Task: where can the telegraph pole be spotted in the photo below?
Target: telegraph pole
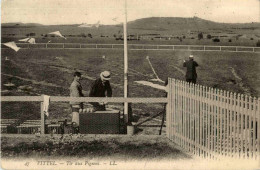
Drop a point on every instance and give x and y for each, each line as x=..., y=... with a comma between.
x=125, y=65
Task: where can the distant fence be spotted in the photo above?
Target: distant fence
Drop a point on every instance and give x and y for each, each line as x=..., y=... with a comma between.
x=138, y=47
x=213, y=123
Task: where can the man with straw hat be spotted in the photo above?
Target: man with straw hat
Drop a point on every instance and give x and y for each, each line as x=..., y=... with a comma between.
x=191, y=74
x=101, y=88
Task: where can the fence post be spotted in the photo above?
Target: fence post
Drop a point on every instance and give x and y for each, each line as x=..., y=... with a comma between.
x=79, y=45
x=46, y=45
x=258, y=130
x=42, y=120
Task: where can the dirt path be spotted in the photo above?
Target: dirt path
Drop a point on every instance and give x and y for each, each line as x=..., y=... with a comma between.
x=239, y=81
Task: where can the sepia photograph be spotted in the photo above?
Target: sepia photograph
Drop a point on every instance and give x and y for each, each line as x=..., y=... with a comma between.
x=130, y=84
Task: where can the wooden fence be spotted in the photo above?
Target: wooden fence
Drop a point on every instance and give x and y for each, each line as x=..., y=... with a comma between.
x=138, y=47
x=213, y=123
x=76, y=99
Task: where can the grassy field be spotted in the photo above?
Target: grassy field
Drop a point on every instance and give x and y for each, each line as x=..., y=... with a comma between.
x=90, y=146
x=50, y=72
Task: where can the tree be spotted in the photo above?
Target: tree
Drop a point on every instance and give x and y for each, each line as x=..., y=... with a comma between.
x=200, y=36
x=258, y=43
x=216, y=40
x=209, y=36
x=89, y=35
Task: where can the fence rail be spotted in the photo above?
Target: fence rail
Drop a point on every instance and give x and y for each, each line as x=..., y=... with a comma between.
x=137, y=47
x=76, y=99
x=213, y=123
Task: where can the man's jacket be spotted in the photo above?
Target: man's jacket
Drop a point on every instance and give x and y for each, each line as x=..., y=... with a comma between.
x=76, y=91
x=191, y=69
x=98, y=89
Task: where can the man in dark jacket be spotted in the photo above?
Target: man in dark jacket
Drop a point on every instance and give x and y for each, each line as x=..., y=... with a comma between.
x=101, y=88
x=191, y=75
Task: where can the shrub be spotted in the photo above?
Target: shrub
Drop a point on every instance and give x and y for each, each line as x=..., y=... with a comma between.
x=216, y=40
x=83, y=35
x=209, y=36
x=258, y=43
x=251, y=38
x=229, y=40
x=200, y=36
x=89, y=35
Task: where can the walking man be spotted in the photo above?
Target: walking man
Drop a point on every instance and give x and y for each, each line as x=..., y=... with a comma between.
x=191, y=74
x=76, y=107
x=101, y=88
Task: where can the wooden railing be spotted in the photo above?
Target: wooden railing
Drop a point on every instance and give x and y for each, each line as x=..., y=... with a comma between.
x=139, y=47
x=213, y=123
x=77, y=99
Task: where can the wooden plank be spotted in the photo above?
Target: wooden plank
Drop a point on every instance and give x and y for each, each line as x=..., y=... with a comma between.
x=236, y=125
x=173, y=106
x=211, y=121
x=217, y=124
x=42, y=120
x=254, y=127
x=82, y=99
x=184, y=115
x=258, y=129
x=246, y=126
x=250, y=127
x=221, y=111
x=208, y=122
x=201, y=121
x=197, y=121
x=242, y=126
x=225, y=125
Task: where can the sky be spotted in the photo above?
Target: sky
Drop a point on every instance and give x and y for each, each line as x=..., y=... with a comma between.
x=52, y=12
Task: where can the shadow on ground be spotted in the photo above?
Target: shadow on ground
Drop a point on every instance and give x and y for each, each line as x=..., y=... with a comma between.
x=120, y=147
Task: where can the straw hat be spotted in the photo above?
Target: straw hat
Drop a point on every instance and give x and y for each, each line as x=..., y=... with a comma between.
x=105, y=75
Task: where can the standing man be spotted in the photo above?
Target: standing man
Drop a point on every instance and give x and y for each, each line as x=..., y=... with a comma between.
x=76, y=91
x=101, y=88
x=191, y=74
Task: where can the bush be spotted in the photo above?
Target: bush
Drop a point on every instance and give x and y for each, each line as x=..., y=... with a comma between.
x=229, y=40
x=83, y=35
x=89, y=35
x=209, y=36
x=258, y=43
x=251, y=38
x=216, y=40
x=200, y=36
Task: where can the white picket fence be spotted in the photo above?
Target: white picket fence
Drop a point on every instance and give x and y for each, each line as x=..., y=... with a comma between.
x=213, y=123
x=138, y=47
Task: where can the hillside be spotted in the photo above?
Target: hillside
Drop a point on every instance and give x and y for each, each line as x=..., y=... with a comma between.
x=163, y=25
x=164, y=30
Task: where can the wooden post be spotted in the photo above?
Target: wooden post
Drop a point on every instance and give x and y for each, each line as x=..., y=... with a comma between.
x=258, y=129
x=42, y=120
x=125, y=66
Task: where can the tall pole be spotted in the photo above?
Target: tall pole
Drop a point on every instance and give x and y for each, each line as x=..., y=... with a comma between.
x=125, y=65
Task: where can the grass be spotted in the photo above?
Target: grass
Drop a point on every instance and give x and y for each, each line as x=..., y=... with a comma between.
x=50, y=72
x=90, y=146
